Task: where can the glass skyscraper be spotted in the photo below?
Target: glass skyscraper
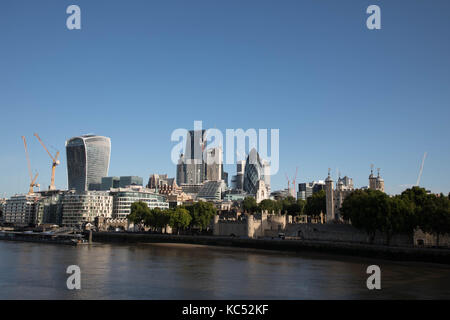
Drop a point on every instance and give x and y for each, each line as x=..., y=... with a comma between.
x=87, y=162
x=191, y=168
x=254, y=171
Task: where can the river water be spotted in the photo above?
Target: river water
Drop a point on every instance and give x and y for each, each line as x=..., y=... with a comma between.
x=177, y=271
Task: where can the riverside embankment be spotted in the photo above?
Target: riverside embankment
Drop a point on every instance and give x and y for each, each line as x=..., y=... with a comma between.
x=341, y=248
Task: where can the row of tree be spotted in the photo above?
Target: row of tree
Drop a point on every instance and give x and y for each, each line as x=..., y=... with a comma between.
x=197, y=215
x=372, y=211
x=313, y=206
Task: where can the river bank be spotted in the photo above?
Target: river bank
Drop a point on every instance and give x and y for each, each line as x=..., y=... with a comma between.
x=341, y=248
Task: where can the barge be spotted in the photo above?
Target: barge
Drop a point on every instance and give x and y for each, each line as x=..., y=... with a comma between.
x=43, y=237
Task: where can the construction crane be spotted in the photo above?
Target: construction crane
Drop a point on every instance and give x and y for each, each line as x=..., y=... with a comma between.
x=421, y=169
x=32, y=180
x=55, y=162
x=294, y=180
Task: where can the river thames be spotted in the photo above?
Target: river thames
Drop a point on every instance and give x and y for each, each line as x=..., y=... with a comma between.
x=177, y=271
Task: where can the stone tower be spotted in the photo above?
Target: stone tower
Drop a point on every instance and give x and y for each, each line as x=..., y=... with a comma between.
x=372, y=179
x=329, y=198
x=380, y=182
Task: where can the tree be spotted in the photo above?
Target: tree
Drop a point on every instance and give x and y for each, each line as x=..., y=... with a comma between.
x=316, y=204
x=367, y=210
x=300, y=206
x=180, y=219
x=417, y=196
x=400, y=218
x=249, y=205
x=269, y=205
x=202, y=213
x=140, y=212
x=435, y=216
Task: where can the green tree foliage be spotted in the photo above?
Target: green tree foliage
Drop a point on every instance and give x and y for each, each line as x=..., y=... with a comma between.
x=202, y=213
x=249, y=205
x=399, y=218
x=180, y=219
x=367, y=210
x=292, y=206
x=431, y=212
x=435, y=216
x=269, y=205
x=316, y=204
x=374, y=211
x=158, y=219
x=139, y=213
x=417, y=196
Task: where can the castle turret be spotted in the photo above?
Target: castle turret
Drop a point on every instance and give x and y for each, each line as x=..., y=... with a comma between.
x=380, y=182
x=372, y=179
x=329, y=198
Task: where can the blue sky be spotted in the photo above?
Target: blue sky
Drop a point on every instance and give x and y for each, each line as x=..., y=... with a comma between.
x=342, y=96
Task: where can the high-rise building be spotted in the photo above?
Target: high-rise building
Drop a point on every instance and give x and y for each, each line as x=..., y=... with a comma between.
x=127, y=181
x=237, y=181
x=191, y=168
x=110, y=182
x=306, y=190
x=256, y=169
x=225, y=176
x=181, y=171
x=214, y=164
x=87, y=162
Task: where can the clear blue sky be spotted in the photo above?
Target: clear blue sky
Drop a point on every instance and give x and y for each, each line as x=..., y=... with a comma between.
x=342, y=96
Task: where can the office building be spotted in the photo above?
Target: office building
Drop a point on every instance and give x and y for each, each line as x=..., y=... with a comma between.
x=110, y=182
x=87, y=162
x=214, y=164
x=237, y=181
x=306, y=190
x=2, y=209
x=256, y=169
x=20, y=210
x=49, y=209
x=212, y=190
x=127, y=181
x=120, y=182
x=181, y=171
x=80, y=208
x=123, y=198
x=191, y=167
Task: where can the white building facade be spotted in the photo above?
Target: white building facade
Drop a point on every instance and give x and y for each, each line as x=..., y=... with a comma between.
x=81, y=208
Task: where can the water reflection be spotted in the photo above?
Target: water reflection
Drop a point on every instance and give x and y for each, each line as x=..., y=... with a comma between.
x=175, y=271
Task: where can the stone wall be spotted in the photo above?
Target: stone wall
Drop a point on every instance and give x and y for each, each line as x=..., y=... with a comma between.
x=252, y=226
x=341, y=233
x=231, y=228
x=430, y=240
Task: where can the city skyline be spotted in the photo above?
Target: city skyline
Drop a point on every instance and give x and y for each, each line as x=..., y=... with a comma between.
x=371, y=97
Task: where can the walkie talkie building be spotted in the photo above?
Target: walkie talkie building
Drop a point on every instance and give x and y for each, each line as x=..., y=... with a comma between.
x=87, y=162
